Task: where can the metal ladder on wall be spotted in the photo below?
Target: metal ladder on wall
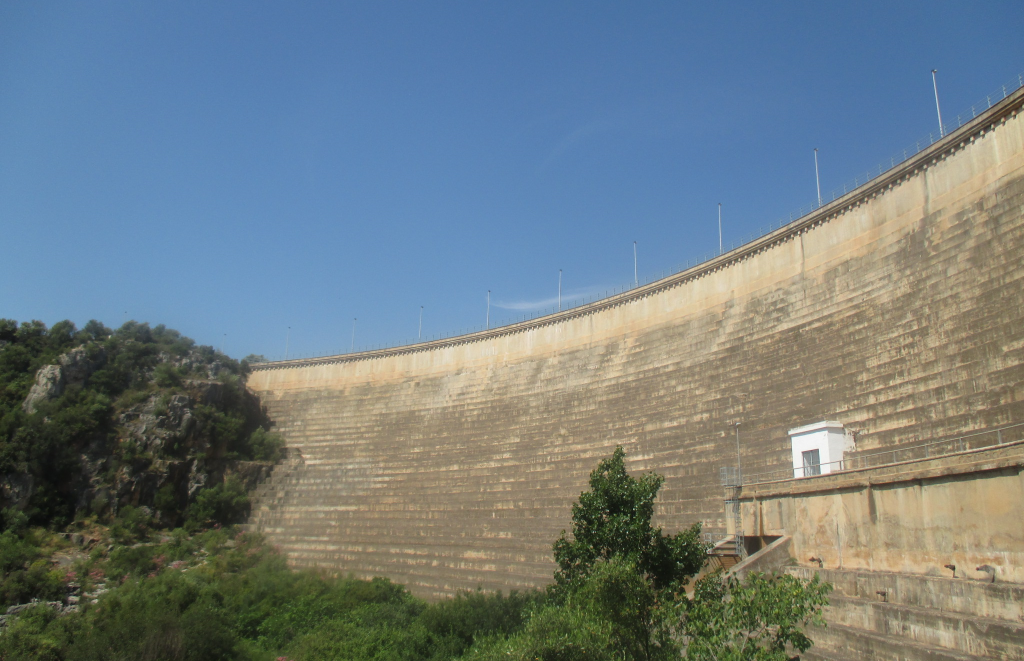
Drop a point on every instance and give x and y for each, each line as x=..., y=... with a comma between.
x=730, y=550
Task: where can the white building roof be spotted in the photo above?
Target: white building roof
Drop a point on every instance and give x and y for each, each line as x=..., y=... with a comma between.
x=817, y=426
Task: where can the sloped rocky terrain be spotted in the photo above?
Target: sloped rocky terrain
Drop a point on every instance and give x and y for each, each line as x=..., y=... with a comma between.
x=110, y=440
x=96, y=420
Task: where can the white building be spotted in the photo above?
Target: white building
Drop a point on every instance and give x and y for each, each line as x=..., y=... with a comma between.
x=819, y=448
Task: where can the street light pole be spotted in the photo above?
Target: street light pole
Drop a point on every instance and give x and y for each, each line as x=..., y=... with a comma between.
x=719, y=228
x=352, y=347
x=636, y=281
x=419, y=333
x=287, y=336
x=938, y=110
x=559, y=290
x=817, y=179
x=488, y=309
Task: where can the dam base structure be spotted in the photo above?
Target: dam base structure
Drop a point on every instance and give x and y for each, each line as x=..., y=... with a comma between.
x=896, y=311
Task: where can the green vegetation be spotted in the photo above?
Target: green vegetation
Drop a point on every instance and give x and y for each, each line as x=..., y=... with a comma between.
x=132, y=401
x=613, y=520
x=619, y=591
x=132, y=571
x=225, y=595
x=221, y=594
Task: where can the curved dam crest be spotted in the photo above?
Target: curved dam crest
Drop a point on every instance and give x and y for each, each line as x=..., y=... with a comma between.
x=897, y=310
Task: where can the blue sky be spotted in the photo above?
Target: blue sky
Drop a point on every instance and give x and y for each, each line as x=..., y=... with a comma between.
x=235, y=169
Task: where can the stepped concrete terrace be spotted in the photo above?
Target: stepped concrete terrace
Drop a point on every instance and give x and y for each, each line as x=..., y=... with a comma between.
x=901, y=617
x=926, y=555
x=897, y=310
x=917, y=517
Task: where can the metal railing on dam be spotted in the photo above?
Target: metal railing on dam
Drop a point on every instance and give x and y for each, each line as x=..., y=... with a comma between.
x=930, y=449
x=614, y=295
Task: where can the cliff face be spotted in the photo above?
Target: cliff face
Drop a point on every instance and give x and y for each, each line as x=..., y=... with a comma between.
x=72, y=368
x=896, y=310
x=98, y=420
x=174, y=455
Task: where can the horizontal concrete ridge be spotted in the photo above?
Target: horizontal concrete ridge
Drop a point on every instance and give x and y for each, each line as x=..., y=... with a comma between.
x=960, y=596
x=962, y=510
x=838, y=642
x=955, y=141
x=896, y=310
x=969, y=462
x=884, y=615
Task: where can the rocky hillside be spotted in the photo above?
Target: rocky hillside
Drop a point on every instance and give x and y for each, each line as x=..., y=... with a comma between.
x=94, y=421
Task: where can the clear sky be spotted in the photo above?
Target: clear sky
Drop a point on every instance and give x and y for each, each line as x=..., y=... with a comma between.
x=233, y=169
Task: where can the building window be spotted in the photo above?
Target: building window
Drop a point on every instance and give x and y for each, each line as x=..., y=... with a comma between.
x=812, y=463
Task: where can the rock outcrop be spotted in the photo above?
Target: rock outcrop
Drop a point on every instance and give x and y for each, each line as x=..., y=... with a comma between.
x=173, y=449
x=72, y=368
x=79, y=363
x=162, y=451
x=49, y=385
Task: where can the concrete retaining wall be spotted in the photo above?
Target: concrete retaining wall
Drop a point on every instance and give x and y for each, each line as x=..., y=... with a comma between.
x=896, y=310
x=963, y=510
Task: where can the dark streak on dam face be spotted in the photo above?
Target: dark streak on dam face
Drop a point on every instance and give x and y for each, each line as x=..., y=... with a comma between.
x=897, y=310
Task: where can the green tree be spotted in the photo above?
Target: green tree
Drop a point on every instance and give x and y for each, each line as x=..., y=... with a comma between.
x=759, y=619
x=620, y=581
x=132, y=525
x=8, y=330
x=265, y=445
x=613, y=519
x=223, y=504
x=455, y=625
x=640, y=618
x=554, y=633
x=94, y=330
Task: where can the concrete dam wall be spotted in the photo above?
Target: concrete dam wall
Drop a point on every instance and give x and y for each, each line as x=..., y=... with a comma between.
x=897, y=310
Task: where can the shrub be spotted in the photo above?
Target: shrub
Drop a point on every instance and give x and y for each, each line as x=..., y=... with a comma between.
x=377, y=632
x=166, y=375
x=14, y=520
x=554, y=633
x=265, y=445
x=38, y=634
x=166, y=500
x=759, y=618
x=471, y=617
x=223, y=504
x=132, y=525
x=15, y=552
x=37, y=581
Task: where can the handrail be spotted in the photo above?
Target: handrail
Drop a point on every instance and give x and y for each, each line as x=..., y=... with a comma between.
x=698, y=266
x=715, y=539
x=953, y=444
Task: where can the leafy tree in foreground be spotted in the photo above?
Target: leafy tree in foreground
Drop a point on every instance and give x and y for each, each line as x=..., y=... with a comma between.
x=613, y=519
x=759, y=619
x=620, y=581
